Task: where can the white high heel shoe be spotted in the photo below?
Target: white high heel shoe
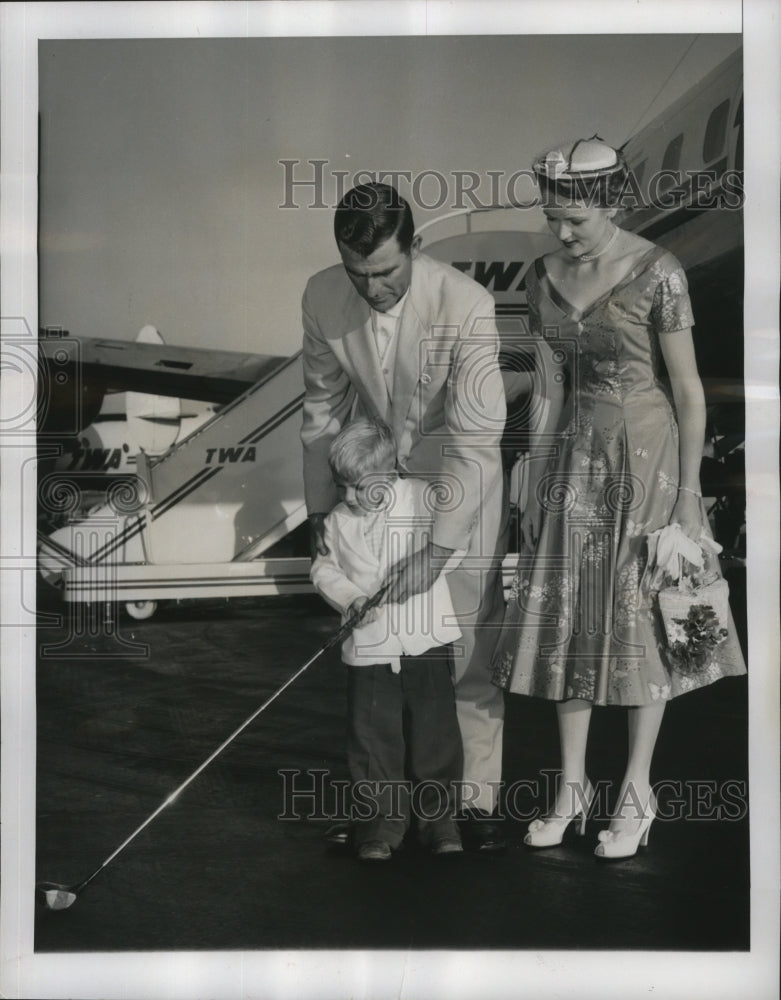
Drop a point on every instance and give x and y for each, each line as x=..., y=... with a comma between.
x=550, y=832
x=624, y=845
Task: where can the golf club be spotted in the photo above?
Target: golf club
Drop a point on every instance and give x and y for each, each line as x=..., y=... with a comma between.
x=61, y=897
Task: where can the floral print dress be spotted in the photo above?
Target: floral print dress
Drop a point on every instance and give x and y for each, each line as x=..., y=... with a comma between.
x=579, y=622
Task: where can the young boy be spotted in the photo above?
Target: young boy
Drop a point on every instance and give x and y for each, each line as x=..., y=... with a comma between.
x=401, y=706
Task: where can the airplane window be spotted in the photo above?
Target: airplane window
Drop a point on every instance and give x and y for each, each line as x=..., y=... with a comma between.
x=715, y=133
x=672, y=155
x=184, y=365
x=671, y=161
x=639, y=171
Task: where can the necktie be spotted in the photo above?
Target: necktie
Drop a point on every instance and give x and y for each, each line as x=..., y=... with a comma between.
x=384, y=337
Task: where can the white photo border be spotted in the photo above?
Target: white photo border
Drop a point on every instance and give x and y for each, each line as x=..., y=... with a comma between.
x=398, y=974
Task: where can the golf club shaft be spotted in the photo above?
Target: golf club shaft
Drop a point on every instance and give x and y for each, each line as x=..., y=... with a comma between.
x=347, y=627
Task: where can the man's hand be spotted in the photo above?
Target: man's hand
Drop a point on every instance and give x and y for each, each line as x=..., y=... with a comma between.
x=317, y=546
x=358, y=605
x=416, y=574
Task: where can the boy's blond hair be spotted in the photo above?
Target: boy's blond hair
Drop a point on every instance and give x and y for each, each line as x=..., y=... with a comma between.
x=363, y=446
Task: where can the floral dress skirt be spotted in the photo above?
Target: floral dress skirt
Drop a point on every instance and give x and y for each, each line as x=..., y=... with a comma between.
x=581, y=621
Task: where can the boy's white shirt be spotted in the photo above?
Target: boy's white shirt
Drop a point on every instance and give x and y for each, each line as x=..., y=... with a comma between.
x=350, y=570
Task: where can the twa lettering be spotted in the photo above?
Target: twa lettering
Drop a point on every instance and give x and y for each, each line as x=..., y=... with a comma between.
x=95, y=459
x=494, y=274
x=241, y=453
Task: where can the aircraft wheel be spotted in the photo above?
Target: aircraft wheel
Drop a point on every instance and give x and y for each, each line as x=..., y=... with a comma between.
x=141, y=610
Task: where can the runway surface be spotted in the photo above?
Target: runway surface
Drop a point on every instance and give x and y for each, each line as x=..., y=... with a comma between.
x=126, y=711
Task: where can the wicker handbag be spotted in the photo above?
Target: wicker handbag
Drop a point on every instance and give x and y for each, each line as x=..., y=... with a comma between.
x=695, y=622
x=694, y=611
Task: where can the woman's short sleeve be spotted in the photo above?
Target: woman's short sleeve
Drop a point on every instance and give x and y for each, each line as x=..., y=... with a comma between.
x=671, y=309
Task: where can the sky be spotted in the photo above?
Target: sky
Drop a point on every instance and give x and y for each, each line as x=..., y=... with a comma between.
x=161, y=159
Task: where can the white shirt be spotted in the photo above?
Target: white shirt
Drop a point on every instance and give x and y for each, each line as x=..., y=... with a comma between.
x=351, y=570
x=385, y=326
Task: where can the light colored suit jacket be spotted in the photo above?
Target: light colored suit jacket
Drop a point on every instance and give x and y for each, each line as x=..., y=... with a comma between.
x=447, y=407
x=351, y=570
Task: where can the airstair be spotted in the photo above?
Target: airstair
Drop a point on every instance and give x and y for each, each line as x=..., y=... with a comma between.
x=200, y=517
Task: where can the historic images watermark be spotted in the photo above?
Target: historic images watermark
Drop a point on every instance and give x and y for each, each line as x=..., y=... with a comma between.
x=314, y=794
x=45, y=404
x=315, y=184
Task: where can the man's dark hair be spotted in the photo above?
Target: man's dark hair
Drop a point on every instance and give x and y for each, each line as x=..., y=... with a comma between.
x=370, y=214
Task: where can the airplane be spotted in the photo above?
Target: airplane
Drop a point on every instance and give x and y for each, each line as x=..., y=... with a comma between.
x=699, y=137
x=687, y=165
x=210, y=489
x=219, y=511
x=101, y=456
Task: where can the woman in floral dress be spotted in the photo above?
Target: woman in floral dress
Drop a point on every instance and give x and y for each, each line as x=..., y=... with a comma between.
x=623, y=460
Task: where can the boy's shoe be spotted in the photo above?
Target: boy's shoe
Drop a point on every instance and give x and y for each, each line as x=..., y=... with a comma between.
x=446, y=845
x=374, y=850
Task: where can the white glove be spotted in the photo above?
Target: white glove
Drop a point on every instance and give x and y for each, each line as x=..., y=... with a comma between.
x=669, y=546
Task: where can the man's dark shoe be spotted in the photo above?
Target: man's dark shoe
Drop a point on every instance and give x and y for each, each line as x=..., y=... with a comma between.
x=374, y=850
x=446, y=846
x=340, y=835
x=482, y=832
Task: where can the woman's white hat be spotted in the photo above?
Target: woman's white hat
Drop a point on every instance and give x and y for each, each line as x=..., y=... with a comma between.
x=579, y=159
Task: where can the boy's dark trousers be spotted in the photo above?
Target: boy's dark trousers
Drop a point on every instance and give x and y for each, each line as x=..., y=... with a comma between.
x=403, y=734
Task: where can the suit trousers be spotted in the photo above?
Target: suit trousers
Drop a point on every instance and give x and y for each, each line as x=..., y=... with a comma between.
x=403, y=748
x=478, y=600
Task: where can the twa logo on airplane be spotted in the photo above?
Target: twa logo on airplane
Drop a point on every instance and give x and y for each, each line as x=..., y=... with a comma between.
x=240, y=453
x=97, y=459
x=496, y=259
x=495, y=276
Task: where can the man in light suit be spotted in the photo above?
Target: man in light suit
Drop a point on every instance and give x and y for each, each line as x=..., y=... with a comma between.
x=394, y=334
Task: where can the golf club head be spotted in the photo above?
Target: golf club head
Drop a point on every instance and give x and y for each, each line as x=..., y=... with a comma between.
x=55, y=897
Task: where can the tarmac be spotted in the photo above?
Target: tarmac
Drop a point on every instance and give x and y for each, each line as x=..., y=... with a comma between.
x=126, y=710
